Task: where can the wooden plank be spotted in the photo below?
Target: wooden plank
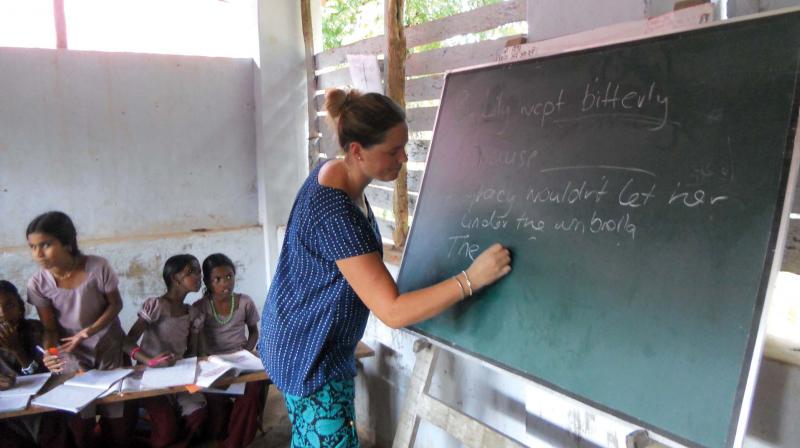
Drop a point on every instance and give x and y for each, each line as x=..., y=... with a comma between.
x=384, y=198
x=420, y=406
x=417, y=89
x=440, y=60
x=420, y=381
x=477, y=20
x=417, y=150
x=414, y=181
x=421, y=118
x=465, y=429
x=480, y=19
x=395, y=80
x=336, y=78
x=387, y=228
x=308, y=41
x=329, y=146
x=336, y=56
x=424, y=89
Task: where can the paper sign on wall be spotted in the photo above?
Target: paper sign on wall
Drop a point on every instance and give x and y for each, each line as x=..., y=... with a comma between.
x=365, y=72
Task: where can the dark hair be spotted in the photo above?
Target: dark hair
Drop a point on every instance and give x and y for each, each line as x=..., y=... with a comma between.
x=23, y=330
x=58, y=225
x=8, y=288
x=214, y=261
x=361, y=118
x=176, y=264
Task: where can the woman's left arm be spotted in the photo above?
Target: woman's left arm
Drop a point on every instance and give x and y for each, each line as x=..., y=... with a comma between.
x=252, y=338
x=109, y=314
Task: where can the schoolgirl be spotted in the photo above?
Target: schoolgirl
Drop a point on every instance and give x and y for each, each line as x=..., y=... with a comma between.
x=19, y=357
x=228, y=316
x=78, y=302
x=170, y=330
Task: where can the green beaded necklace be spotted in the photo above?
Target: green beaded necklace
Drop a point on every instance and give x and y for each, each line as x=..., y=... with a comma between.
x=216, y=315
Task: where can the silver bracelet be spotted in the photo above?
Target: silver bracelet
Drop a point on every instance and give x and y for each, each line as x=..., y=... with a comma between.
x=469, y=283
x=463, y=293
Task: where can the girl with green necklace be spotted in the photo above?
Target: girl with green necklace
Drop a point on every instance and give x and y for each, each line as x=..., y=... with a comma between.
x=231, y=324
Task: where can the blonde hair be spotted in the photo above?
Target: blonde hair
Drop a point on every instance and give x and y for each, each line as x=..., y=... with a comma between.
x=361, y=118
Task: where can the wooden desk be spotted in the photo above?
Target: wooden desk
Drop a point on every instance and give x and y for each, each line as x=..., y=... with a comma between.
x=362, y=351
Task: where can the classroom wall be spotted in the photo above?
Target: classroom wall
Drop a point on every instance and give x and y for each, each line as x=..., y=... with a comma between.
x=136, y=144
x=526, y=412
x=281, y=118
x=151, y=155
x=138, y=262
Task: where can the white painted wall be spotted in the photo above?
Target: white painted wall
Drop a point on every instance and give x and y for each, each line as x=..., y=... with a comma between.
x=282, y=118
x=126, y=144
x=139, y=150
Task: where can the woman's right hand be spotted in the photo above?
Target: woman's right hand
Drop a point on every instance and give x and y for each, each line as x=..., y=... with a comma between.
x=491, y=265
x=54, y=363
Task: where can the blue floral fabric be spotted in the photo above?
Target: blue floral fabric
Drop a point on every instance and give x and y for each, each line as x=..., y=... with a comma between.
x=326, y=418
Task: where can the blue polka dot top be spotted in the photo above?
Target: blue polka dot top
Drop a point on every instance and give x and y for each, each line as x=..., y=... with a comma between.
x=312, y=318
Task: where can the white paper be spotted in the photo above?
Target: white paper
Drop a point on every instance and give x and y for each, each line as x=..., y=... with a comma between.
x=113, y=390
x=132, y=383
x=365, y=72
x=182, y=373
x=233, y=389
x=243, y=360
x=99, y=379
x=12, y=403
x=68, y=398
x=26, y=385
x=216, y=366
x=209, y=371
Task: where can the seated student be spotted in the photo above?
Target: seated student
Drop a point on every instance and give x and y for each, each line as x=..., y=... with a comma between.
x=78, y=302
x=227, y=316
x=169, y=330
x=18, y=357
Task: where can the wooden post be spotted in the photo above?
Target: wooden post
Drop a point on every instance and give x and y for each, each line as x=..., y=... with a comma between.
x=421, y=406
x=395, y=89
x=311, y=84
x=61, y=23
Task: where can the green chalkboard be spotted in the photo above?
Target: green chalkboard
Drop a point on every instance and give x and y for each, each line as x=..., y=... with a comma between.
x=640, y=188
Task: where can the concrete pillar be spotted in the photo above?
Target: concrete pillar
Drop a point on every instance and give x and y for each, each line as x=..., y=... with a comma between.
x=281, y=118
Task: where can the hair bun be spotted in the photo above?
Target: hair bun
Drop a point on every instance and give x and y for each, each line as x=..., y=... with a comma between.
x=337, y=100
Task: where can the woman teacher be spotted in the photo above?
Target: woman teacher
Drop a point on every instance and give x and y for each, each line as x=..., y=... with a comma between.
x=330, y=274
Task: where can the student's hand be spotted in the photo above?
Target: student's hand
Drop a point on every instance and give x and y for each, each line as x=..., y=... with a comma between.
x=54, y=363
x=72, y=342
x=7, y=381
x=491, y=265
x=8, y=337
x=164, y=359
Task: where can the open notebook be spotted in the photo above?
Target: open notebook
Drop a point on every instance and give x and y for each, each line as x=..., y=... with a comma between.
x=16, y=398
x=233, y=364
x=80, y=390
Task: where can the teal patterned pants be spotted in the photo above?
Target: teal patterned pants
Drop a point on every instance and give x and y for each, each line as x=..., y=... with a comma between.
x=326, y=418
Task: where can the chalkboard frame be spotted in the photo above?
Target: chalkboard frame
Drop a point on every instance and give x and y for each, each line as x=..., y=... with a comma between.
x=778, y=235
